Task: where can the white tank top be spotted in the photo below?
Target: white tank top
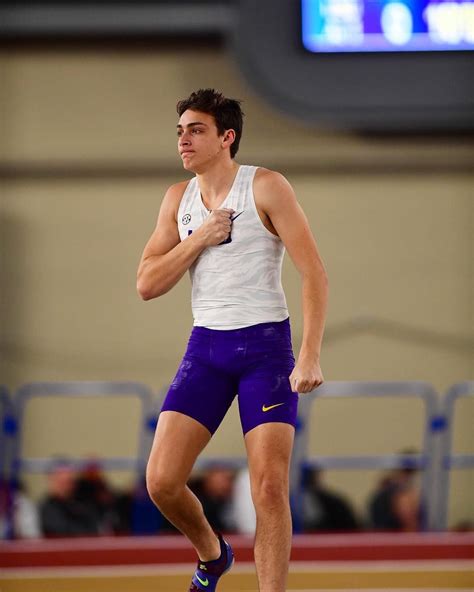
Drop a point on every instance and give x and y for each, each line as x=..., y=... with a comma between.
x=236, y=284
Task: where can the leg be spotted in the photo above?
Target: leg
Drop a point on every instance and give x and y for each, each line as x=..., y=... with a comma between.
x=269, y=447
x=179, y=439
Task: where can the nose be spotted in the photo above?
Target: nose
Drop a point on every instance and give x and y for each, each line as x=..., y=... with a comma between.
x=184, y=140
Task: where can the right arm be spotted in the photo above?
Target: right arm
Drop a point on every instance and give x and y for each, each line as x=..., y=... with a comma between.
x=166, y=258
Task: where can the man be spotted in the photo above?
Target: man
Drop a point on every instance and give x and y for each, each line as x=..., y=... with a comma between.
x=230, y=226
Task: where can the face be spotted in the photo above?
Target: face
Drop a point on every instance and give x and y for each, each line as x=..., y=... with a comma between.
x=219, y=483
x=62, y=481
x=199, y=143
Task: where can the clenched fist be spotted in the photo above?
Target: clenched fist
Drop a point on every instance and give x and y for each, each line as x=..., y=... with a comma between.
x=217, y=226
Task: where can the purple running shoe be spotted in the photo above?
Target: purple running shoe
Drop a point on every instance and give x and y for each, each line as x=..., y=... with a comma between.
x=207, y=573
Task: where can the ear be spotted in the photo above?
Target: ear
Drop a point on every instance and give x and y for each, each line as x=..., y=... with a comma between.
x=228, y=138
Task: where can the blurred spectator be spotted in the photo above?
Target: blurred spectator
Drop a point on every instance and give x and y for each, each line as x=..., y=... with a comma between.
x=244, y=516
x=214, y=490
x=395, y=504
x=24, y=516
x=323, y=509
x=93, y=491
x=145, y=518
x=61, y=514
x=5, y=508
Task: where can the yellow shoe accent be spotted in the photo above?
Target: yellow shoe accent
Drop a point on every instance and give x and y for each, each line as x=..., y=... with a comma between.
x=203, y=582
x=271, y=407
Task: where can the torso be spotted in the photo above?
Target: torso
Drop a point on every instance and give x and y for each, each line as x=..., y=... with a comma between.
x=236, y=283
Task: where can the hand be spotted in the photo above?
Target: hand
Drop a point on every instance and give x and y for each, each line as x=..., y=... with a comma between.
x=306, y=376
x=217, y=226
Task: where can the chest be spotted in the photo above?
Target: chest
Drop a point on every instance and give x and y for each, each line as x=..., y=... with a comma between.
x=195, y=211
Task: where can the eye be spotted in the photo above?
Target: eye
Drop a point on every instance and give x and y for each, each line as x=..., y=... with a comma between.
x=196, y=131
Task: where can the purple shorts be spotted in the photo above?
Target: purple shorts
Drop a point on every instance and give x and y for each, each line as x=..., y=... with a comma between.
x=254, y=363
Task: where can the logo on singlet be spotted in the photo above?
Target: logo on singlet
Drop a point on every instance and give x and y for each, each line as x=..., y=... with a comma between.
x=186, y=219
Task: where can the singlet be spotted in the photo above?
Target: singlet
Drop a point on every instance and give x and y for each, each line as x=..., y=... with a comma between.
x=238, y=283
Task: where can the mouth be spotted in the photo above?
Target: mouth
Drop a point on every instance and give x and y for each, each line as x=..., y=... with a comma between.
x=186, y=153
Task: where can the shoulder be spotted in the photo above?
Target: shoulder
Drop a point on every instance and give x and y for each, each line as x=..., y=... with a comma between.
x=176, y=191
x=271, y=188
x=267, y=178
x=173, y=196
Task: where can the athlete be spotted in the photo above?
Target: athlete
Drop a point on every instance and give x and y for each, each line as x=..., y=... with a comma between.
x=229, y=226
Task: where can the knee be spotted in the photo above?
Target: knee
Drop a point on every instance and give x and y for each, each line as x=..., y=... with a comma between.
x=161, y=487
x=270, y=493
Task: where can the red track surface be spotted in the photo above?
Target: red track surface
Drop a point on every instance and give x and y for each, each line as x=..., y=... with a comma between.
x=176, y=549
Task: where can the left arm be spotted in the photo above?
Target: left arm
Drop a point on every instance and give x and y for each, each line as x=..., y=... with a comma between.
x=277, y=199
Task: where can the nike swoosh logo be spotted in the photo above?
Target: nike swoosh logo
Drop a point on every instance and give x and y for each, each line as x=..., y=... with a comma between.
x=264, y=408
x=232, y=219
x=203, y=582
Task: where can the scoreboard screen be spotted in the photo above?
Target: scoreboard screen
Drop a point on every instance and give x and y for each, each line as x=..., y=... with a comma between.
x=341, y=26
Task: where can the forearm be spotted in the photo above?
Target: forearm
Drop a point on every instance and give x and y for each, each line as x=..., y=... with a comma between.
x=157, y=274
x=314, y=301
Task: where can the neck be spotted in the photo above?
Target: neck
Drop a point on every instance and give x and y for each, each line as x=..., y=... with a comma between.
x=216, y=181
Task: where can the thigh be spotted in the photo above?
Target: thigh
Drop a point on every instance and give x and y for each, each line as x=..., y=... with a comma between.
x=265, y=394
x=201, y=392
x=269, y=447
x=178, y=441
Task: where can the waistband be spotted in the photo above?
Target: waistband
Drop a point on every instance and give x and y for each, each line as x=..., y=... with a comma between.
x=274, y=329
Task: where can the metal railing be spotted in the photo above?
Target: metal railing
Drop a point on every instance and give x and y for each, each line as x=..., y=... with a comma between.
x=33, y=390
x=449, y=460
x=435, y=459
x=426, y=460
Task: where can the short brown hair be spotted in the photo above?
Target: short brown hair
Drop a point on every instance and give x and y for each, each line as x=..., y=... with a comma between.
x=226, y=112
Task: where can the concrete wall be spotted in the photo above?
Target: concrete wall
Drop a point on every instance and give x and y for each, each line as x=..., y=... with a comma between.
x=88, y=148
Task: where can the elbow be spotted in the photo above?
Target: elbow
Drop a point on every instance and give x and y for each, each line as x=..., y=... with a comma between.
x=145, y=289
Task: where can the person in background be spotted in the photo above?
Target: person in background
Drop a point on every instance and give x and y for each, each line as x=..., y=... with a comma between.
x=15, y=503
x=245, y=517
x=144, y=516
x=214, y=489
x=323, y=509
x=395, y=504
x=92, y=490
x=62, y=515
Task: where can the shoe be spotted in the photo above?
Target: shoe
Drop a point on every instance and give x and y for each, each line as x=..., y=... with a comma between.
x=207, y=573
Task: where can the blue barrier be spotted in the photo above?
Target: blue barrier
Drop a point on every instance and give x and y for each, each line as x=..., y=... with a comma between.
x=7, y=431
x=8, y=434
x=449, y=460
